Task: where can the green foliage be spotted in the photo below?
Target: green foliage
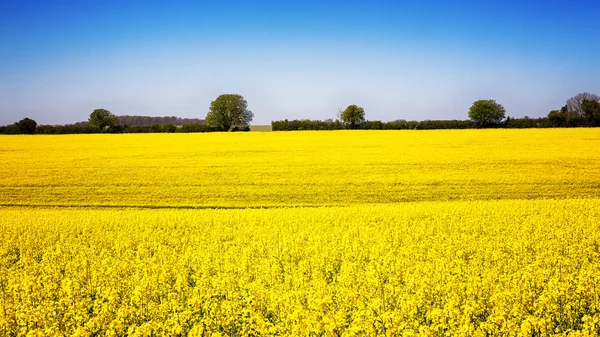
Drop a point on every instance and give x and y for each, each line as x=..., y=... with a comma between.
x=103, y=120
x=229, y=110
x=169, y=128
x=166, y=128
x=486, y=112
x=353, y=116
x=438, y=125
x=557, y=118
x=27, y=126
x=306, y=124
x=11, y=129
x=240, y=128
x=64, y=129
x=526, y=123
x=197, y=127
x=591, y=111
x=156, y=128
x=371, y=125
x=150, y=120
x=580, y=110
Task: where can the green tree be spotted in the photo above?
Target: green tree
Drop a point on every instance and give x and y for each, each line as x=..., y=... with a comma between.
x=169, y=128
x=27, y=126
x=156, y=128
x=103, y=120
x=486, y=112
x=227, y=111
x=591, y=110
x=557, y=118
x=353, y=116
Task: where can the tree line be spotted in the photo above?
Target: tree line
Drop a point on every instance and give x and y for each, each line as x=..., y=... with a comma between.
x=228, y=112
x=152, y=120
x=582, y=110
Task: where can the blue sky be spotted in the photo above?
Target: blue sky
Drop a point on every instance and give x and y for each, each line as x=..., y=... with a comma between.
x=411, y=60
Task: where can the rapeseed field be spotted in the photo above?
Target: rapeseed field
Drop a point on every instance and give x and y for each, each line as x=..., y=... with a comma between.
x=347, y=233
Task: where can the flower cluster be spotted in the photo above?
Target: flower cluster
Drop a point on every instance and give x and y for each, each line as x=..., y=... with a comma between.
x=265, y=169
x=473, y=268
x=362, y=233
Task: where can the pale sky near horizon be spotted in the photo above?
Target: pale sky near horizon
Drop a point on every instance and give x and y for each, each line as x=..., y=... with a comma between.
x=411, y=60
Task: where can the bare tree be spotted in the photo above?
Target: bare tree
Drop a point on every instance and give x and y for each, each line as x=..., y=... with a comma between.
x=574, y=103
x=338, y=115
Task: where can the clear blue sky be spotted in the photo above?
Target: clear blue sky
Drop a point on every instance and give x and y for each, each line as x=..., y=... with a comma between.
x=414, y=60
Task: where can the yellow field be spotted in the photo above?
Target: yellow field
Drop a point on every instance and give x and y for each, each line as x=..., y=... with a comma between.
x=298, y=168
x=358, y=233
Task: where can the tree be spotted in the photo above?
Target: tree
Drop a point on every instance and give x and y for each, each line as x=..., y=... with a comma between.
x=169, y=128
x=103, y=120
x=574, y=103
x=27, y=126
x=486, y=112
x=591, y=110
x=557, y=118
x=163, y=128
x=229, y=110
x=353, y=115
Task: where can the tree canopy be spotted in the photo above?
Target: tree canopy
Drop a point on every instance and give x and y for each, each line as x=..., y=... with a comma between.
x=591, y=110
x=229, y=110
x=574, y=104
x=103, y=120
x=353, y=115
x=27, y=126
x=486, y=112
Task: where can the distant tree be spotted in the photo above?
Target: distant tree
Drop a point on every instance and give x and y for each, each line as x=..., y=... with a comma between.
x=571, y=118
x=163, y=128
x=27, y=126
x=557, y=118
x=103, y=120
x=353, y=116
x=227, y=111
x=486, y=112
x=169, y=128
x=574, y=103
x=156, y=128
x=591, y=111
x=11, y=129
x=143, y=120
